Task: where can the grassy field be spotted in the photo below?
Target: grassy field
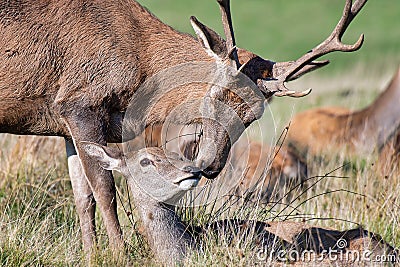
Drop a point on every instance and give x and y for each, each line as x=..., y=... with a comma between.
x=38, y=221
x=40, y=226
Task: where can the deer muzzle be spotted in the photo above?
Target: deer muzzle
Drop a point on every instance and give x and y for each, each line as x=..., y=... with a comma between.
x=212, y=158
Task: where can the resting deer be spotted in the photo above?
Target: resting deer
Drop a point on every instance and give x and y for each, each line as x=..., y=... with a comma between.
x=359, y=131
x=158, y=181
x=283, y=169
x=72, y=69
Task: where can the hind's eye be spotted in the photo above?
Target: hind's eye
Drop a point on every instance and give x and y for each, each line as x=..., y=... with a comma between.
x=145, y=162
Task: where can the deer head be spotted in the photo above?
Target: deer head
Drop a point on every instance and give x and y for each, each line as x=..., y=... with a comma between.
x=230, y=110
x=151, y=174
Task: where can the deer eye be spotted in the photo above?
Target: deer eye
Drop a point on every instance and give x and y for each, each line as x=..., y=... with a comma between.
x=145, y=162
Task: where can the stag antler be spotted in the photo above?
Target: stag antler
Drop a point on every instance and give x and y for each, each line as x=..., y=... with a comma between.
x=287, y=71
x=225, y=7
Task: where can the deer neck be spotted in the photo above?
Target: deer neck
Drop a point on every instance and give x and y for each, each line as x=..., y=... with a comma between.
x=380, y=119
x=165, y=231
x=162, y=51
x=165, y=47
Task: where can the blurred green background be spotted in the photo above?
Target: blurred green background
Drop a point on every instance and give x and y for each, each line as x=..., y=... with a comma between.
x=285, y=29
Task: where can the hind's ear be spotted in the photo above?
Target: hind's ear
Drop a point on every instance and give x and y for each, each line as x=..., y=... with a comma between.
x=108, y=158
x=212, y=42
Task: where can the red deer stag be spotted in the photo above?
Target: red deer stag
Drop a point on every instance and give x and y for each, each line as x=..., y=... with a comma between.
x=359, y=131
x=71, y=68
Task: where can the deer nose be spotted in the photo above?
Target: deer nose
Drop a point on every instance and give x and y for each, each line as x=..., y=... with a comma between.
x=210, y=174
x=193, y=170
x=206, y=173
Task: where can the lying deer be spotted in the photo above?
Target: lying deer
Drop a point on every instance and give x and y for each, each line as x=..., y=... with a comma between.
x=267, y=171
x=158, y=182
x=361, y=131
x=74, y=68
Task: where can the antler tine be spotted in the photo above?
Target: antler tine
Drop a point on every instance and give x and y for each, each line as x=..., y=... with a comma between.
x=293, y=93
x=283, y=66
x=225, y=8
x=351, y=11
x=279, y=89
x=331, y=44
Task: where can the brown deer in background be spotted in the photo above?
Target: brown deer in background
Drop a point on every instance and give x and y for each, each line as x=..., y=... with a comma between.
x=283, y=170
x=72, y=68
x=365, y=130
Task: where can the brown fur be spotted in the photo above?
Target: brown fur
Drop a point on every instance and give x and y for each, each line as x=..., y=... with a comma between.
x=82, y=61
x=286, y=170
x=70, y=68
x=52, y=66
x=389, y=157
x=360, y=131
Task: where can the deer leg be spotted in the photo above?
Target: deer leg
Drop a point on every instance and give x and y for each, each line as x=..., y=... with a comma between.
x=83, y=195
x=87, y=128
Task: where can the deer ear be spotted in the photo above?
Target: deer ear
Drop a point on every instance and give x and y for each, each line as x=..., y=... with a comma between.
x=212, y=42
x=107, y=157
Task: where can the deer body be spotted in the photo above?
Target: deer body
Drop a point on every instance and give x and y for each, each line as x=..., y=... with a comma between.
x=81, y=55
x=360, y=131
x=71, y=69
x=167, y=179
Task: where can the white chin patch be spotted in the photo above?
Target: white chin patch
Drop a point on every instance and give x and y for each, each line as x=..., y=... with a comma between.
x=188, y=184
